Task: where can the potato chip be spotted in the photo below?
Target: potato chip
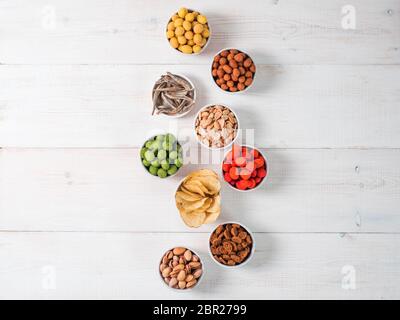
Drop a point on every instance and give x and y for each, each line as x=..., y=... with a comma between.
x=195, y=187
x=215, y=205
x=193, y=220
x=188, y=196
x=211, y=217
x=203, y=173
x=198, y=198
x=212, y=184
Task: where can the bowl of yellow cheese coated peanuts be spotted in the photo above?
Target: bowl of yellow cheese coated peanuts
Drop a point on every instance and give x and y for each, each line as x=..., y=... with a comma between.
x=188, y=31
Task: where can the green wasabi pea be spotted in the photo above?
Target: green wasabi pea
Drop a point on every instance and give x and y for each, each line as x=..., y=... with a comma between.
x=178, y=162
x=156, y=145
x=162, y=173
x=172, y=170
x=155, y=163
x=146, y=163
x=148, y=144
x=160, y=138
x=164, y=164
x=170, y=138
x=149, y=155
x=173, y=155
x=153, y=170
x=162, y=154
x=142, y=152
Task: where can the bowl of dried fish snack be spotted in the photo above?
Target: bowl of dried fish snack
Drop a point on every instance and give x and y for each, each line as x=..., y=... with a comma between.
x=173, y=96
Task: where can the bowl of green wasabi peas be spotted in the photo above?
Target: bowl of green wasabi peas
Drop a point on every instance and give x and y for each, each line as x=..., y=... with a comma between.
x=162, y=155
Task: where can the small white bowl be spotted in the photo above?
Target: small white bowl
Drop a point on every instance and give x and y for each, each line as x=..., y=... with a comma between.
x=230, y=92
x=198, y=280
x=145, y=168
x=237, y=130
x=180, y=115
x=253, y=246
x=262, y=180
x=193, y=53
x=177, y=189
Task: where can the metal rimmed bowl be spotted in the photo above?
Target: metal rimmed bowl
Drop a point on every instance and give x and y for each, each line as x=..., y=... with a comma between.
x=203, y=109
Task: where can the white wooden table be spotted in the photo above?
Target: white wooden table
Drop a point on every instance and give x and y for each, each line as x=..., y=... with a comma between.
x=79, y=218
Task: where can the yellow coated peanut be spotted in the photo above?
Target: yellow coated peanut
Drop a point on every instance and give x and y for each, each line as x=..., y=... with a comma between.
x=186, y=49
x=187, y=25
x=179, y=31
x=182, y=12
x=203, y=42
x=174, y=42
x=171, y=26
x=174, y=17
x=190, y=17
x=202, y=19
x=189, y=35
x=197, y=38
x=170, y=34
x=178, y=22
x=205, y=33
x=182, y=40
x=198, y=28
x=196, y=48
x=191, y=42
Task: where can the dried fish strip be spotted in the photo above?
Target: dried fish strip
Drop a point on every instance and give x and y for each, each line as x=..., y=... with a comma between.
x=172, y=95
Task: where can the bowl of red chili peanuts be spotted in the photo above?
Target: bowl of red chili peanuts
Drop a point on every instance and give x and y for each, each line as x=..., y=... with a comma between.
x=244, y=168
x=233, y=70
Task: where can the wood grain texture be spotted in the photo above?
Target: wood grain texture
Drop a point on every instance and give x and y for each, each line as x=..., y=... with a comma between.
x=107, y=189
x=110, y=106
x=123, y=31
x=124, y=266
x=75, y=104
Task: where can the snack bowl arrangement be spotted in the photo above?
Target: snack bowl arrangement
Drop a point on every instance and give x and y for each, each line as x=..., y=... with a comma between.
x=244, y=168
x=216, y=126
x=173, y=95
x=233, y=70
x=188, y=31
x=198, y=198
x=181, y=269
x=162, y=155
x=231, y=245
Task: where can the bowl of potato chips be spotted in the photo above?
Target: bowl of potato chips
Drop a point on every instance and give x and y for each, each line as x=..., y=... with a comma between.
x=198, y=198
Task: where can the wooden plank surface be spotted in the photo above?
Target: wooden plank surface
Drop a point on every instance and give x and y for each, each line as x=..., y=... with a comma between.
x=76, y=206
x=108, y=190
x=110, y=106
x=123, y=31
x=124, y=266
